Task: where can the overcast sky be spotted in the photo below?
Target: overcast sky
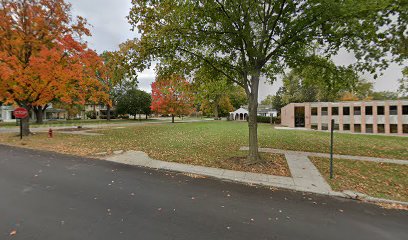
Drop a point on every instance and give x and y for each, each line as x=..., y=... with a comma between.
x=110, y=28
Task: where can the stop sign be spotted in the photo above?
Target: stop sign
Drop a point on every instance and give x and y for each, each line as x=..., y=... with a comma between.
x=20, y=112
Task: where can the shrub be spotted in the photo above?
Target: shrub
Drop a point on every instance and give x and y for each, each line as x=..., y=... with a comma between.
x=91, y=114
x=263, y=119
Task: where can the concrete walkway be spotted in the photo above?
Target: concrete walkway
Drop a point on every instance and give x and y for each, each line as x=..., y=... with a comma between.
x=326, y=155
x=305, y=176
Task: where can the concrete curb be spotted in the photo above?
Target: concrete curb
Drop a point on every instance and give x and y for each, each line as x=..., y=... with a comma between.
x=366, y=198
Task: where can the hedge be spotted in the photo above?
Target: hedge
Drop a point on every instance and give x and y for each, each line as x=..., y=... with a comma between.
x=265, y=119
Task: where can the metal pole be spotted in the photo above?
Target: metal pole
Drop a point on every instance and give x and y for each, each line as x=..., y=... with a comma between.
x=21, y=128
x=331, y=148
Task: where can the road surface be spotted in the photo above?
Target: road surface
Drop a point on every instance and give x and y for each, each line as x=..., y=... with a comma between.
x=52, y=196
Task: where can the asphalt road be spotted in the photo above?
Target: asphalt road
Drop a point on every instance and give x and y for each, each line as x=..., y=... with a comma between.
x=51, y=196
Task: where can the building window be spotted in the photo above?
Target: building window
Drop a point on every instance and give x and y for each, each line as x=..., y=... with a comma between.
x=325, y=126
x=314, y=111
x=324, y=111
x=357, y=128
x=336, y=127
x=393, y=110
x=357, y=110
x=380, y=110
x=381, y=128
x=346, y=110
x=369, y=110
x=346, y=127
x=369, y=128
x=404, y=128
x=335, y=111
x=315, y=127
x=405, y=110
x=393, y=128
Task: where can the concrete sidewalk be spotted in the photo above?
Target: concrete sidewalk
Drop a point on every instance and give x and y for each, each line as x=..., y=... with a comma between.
x=326, y=155
x=305, y=177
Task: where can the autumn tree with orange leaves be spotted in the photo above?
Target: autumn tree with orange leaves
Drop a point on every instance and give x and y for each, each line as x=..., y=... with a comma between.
x=43, y=59
x=172, y=95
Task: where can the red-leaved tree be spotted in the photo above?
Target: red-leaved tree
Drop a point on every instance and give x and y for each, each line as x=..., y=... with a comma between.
x=42, y=57
x=172, y=95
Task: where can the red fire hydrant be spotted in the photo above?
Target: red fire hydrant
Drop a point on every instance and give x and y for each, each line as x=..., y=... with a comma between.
x=50, y=133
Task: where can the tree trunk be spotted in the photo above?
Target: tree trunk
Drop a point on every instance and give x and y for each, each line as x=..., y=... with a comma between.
x=172, y=118
x=26, y=126
x=39, y=114
x=216, y=111
x=108, y=116
x=146, y=115
x=253, y=155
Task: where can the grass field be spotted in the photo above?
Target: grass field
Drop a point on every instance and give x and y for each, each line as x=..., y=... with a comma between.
x=197, y=142
x=70, y=122
x=96, y=122
x=383, y=180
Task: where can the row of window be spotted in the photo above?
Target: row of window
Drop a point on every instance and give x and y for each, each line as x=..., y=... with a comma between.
x=369, y=128
x=357, y=110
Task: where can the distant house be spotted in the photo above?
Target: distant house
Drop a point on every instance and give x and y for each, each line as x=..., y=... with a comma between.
x=241, y=114
x=100, y=110
x=6, y=114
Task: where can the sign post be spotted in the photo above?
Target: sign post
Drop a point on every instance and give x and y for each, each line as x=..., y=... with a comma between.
x=331, y=148
x=21, y=113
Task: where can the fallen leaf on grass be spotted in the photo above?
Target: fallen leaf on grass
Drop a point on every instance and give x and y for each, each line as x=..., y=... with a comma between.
x=393, y=206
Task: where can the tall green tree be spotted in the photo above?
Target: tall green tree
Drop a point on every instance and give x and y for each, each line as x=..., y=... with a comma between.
x=118, y=71
x=211, y=89
x=403, y=88
x=384, y=95
x=245, y=39
x=321, y=80
x=268, y=100
x=134, y=102
x=277, y=101
x=238, y=96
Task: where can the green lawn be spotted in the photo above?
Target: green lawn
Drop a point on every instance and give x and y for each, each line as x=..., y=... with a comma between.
x=96, y=121
x=383, y=180
x=220, y=140
x=70, y=122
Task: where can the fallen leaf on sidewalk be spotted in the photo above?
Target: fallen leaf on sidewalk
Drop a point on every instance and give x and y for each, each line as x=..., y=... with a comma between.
x=14, y=232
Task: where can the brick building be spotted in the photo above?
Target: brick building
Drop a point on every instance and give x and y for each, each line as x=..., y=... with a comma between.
x=379, y=117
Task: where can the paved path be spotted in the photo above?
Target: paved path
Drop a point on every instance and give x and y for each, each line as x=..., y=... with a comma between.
x=305, y=175
x=47, y=196
x=358, y=158
x=142, y=159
